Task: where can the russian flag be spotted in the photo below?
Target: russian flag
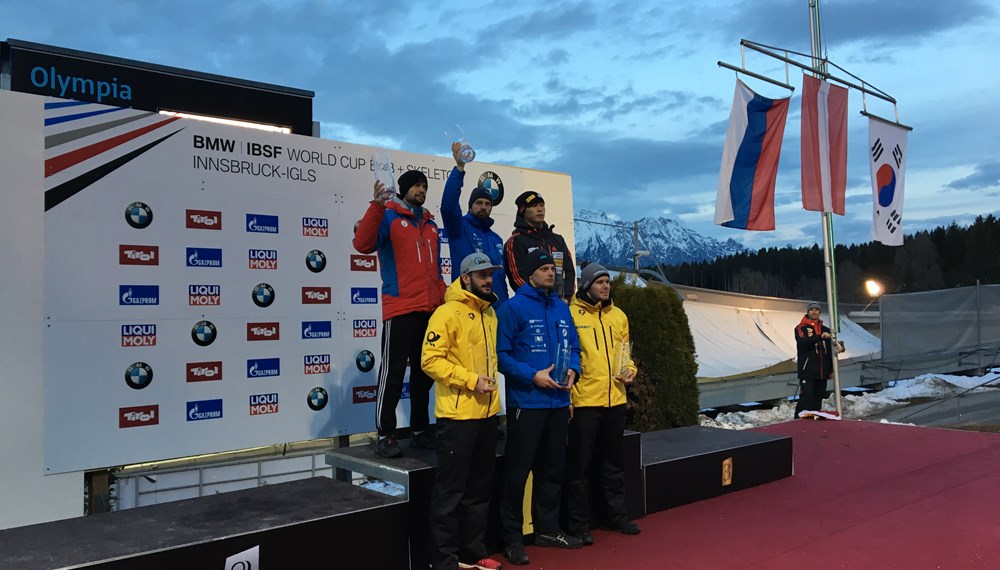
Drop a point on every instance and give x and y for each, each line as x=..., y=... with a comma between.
x=824, y=146
x=745, y=198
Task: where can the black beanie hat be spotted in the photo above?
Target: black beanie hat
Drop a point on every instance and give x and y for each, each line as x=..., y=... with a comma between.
x=529, y=198
x=537, y=258
x=478, y=193
x=409, y=179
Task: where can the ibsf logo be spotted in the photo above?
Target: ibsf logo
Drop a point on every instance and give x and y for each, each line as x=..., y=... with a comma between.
x=365, y=328
x=316, y=261
x=138, y=416
x=138, y=294
x=203, y=219
x=365, y=394
x=263, y=404
x=315, y=295
x=138, y=215
x=203, y=333
x=317, y=399
x=315, y=227
x=364, y=263
x=204, y=410
x=316, y=363
x=139, y=335
x=263, y=331
x=364, y=296
x=204, y=371
x=262, y=295
x=138, y=254
x=204, y=257
x=263, y=367
x=138, y=375
x=204, y=295
x=263, y=259
x=365, y=361
x=262, y=224
x=316, y=329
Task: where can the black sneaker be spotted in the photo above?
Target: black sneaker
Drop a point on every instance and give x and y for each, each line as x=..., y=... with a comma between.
x=424, y=440
x=558, y=540
x=388, y=447
x=585, y=537
x=627, y=527
x=514, y=553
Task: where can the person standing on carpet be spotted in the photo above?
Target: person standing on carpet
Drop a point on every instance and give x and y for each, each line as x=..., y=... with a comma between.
x=597, y=413
x=815, y=359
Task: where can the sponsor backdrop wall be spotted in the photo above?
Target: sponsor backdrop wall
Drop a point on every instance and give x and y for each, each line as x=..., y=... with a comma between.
x=201, y=293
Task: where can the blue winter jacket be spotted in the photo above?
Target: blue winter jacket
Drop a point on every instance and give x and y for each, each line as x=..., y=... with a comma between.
x=532, y=323
x=468, y=234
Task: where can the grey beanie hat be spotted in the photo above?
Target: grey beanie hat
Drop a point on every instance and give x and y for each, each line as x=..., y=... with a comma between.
x=813, y=305
x=590, y=274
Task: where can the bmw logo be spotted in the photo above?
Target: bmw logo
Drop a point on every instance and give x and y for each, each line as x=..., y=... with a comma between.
x=263, y=295
x=316, y=261
x=203, y=333
x=138, y=375
x=365, y=361
x=138, y=215
x=490, y=181
x=317, y=399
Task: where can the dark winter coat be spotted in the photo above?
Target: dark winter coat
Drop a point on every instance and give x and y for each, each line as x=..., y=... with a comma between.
x=815, y=354
x=526, y=239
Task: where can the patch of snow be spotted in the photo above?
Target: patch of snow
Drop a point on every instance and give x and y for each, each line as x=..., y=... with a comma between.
x=384, y=487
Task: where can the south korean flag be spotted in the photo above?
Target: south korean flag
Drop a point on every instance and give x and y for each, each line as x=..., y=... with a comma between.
x=887, y=158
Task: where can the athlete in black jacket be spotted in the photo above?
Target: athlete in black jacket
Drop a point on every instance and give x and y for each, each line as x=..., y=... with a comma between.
x=815, y=359
x=530, y=233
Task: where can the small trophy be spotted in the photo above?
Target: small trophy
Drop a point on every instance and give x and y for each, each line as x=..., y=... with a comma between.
x=563, y=355
x=455, y=134
x=623, y=355
x=382, y=167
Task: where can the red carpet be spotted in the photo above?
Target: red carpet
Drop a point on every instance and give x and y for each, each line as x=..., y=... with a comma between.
x=864, y=495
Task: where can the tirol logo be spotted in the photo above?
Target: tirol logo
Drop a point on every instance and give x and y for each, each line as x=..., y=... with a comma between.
x=316, y=363
x=263, y=331
x=203, y=219
x=204, y=257
x=139, y=335
x=204, y=295
x=138, y=375
x=365, y=394
x=138, y=215
x=364, y=263
x=315, y=295
x=262, y=259
x=317, y=399
x=317, y=329
x=263, y=404
x=138, y=294
x=364, y=296
x=262, y=295
x=204, y=371
x=365, y=361
x=365, y=328
x=204, y=410
x=315, y=227
x=262, y=224
x=203, y=333
x=138, y=254
x=490, y=181
x=316, y=261
x=263, y=367
x=138, y=416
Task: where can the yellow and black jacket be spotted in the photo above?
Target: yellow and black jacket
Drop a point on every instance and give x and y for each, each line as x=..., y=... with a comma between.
x=602, y=329
x=460, y=344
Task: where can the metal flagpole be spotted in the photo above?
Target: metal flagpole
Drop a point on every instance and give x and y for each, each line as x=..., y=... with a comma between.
x=829, y=262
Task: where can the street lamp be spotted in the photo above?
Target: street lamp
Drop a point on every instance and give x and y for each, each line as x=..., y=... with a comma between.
x=874, y=289
x=638, y=254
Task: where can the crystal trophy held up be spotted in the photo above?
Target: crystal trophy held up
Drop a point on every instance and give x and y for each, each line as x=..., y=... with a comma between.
x=382, y=167
x=466, y=152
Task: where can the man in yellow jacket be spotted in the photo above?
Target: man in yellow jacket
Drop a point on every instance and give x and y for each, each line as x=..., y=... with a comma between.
x=598, y=406
x=459, y=354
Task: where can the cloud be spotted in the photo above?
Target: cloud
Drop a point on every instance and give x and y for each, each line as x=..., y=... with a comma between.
x=985, y=176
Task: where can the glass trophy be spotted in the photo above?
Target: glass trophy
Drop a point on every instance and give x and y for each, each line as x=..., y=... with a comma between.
x=563, y=355
x=623, y=355
x=382, y=167
x=455, y=134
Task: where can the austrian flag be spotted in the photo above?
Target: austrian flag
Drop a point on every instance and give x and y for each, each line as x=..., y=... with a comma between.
x=824, y=146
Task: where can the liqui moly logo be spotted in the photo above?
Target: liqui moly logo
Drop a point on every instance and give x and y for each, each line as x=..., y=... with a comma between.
x=364, y=263
x=263, y=367
x=263, y=259
x=263, y=404
x=365, y=328
x=315, y=295
x=316, y=329
x=204, y=371
x=315, y=227
x=139, y=335
x=204, y=295
x=316, y=363
x=365, y=394
x=203, y=219
x=364, y=296
x=445, y=266
x=138, y=254
x=204, y=257
x=138, y=416
x=262, y=224
x=263, y=331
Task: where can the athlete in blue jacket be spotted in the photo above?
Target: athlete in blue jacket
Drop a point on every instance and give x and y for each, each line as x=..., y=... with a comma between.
x=533, y=323
x=471, y=233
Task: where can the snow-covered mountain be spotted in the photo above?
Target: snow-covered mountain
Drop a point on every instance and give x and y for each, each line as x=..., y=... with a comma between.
x=669, y=241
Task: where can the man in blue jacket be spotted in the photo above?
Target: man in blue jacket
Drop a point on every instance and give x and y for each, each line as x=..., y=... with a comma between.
x=539, y=356
x=471, y=233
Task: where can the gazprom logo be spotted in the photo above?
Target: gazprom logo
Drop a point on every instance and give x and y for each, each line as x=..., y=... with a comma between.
x=204, y=257
x=263, y=367
x=262, y=224
x=364, y=296
x=138, y=294
x=316, y=329
x=204, y=410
